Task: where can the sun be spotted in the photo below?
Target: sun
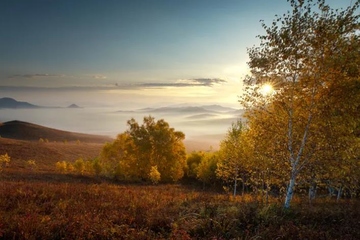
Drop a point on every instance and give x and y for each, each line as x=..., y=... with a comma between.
x=267, y=89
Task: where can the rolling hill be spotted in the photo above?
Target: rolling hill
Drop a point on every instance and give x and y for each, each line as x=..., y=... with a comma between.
x=46, y=154
x=32, y=132
x=20, y=140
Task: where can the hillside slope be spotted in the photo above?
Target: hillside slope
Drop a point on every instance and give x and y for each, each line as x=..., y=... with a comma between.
x=46, y=154
x=32, y=132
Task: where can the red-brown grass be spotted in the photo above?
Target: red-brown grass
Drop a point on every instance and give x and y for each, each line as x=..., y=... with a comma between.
x=57, y=206
x=43, y=204
x=46, y=154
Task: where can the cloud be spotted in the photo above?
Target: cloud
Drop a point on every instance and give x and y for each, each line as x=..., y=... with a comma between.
x=36, y=75
x=207, y=82
x=41, y=75
x=99, y=76
x=47, y=89
x=198, y=82
x=162, y=85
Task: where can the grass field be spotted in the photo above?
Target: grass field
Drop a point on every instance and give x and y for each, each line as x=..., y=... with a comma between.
x=46, y=154
x=40, y=203
x=47, y=205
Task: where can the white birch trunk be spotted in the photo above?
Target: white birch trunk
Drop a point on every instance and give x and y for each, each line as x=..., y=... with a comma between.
x=235, y=181
x=312, y=188
x=312, y=192
x=339, y=194
x=331, y=192
x=235, y=186
x=267, y=193
x=243, y=185
x=295, y=160
x=290, y=190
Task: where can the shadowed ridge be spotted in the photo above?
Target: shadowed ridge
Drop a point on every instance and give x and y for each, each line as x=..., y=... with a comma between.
x=12, y=103
x=32, y=132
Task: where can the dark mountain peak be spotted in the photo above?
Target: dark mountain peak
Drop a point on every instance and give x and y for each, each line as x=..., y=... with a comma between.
x=7, y=102
x=73, y=106
x=7, y=99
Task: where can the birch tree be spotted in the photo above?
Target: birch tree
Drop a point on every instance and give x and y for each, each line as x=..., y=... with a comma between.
x=232, y=165
x=303, y=53
x=267, y=166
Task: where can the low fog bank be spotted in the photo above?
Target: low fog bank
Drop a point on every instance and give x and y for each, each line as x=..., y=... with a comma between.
x=203, y=128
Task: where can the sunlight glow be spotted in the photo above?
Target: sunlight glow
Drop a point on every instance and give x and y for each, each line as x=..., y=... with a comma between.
x=267, y=89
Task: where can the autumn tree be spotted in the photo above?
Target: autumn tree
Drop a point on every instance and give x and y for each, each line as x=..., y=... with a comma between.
x=305, y=54
x=135, y=153
x=154, y=175
x=192, y=163
x=265, y=138
x=157, y=144
x=234, y=149
x=206, y=170
x=61, y=166
x=79, y=166
x=96, y=166
x=117, y=160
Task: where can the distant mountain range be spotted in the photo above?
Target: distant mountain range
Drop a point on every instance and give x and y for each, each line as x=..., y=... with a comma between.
x=12, y=103
x=201, y=116
x=195, y=112
x=205, y=109
x=218, y=108
x=176, y=110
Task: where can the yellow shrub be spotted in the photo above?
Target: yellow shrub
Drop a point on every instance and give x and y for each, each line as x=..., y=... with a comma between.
x=61, y=166
x=4, y=160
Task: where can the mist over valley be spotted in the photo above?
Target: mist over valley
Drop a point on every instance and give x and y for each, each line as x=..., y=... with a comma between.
x=204, y=125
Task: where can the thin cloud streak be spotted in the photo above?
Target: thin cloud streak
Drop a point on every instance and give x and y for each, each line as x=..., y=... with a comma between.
x=198, y=82
x=41, y=75
x=99, y=76
x=37, y=75
x=210, y=81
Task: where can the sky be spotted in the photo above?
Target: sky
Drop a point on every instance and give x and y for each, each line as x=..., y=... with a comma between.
x=130, y=54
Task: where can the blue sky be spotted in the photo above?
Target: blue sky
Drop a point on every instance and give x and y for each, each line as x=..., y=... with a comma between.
x=132, y=53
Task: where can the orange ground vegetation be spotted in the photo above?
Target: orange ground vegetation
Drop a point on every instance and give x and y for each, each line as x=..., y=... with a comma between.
x=40, y=203
x=47, y=205
x=46, y=154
